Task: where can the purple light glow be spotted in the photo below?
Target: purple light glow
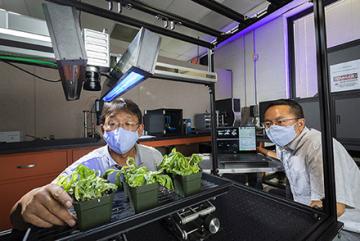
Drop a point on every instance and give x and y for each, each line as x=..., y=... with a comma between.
x=290, y=7
x=287, y=11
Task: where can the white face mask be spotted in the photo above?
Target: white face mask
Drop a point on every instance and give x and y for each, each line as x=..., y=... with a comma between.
x=121, y=140
x=281, y=135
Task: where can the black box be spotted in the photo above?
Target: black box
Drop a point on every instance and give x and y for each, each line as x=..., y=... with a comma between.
x=163, y=122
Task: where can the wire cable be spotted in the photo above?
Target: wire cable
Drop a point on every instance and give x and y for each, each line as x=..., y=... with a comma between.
x=28, y=72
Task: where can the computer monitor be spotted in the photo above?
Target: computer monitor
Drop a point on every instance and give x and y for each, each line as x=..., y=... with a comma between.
x=311, y=110
x=262, y=107
x=234, y=140
x=247, y=138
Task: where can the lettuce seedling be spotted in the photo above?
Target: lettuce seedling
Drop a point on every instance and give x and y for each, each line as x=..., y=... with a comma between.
x=136, y=176
x=177, y=163
x=85, y=184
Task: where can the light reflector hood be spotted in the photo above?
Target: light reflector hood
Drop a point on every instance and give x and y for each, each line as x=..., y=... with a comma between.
x=138, y=60
x=68, y=45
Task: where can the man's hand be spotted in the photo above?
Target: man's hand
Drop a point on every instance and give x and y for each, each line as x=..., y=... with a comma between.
x=316, y=204
x=261, y=149
x=43, y=207
x=340, y=207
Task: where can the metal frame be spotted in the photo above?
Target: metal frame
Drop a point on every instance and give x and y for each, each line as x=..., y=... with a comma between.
x=325, y=110
x=171, y=17
x=211, y=4
x=221, y=9
x=85, y=7
x=324, y=99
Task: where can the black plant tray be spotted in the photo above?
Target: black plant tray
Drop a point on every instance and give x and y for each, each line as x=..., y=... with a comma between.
x=124, y=218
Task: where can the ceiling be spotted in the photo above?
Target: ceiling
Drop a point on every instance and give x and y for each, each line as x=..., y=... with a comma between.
x=170, y=48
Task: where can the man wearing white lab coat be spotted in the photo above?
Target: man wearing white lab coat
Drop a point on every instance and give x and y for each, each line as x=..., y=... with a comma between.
x=299, y=149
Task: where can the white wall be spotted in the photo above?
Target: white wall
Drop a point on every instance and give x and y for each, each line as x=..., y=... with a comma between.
x=224, y=85
x=257, y=60
x=230, y=56
x=39, y=108
x=271, y=78
x=342, y=25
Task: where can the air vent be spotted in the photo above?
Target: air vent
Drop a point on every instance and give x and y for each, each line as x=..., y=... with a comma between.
x=175, y=72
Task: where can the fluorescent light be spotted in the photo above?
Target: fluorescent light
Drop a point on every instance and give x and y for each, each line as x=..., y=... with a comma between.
x=125, y=83
x=25, y=35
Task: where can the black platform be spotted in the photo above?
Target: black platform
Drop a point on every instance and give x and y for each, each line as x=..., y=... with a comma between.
x=245, y=214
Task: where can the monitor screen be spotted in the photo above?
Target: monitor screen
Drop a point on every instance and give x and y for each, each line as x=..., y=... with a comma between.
x=247, y=138
x=262, y=106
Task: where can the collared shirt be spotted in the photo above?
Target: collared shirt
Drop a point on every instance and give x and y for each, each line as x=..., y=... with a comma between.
x=101, y=160
x=303, y=164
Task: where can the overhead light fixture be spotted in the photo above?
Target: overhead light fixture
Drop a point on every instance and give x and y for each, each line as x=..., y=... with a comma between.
x=64, y=29
x=23, y=34
x=125, y=83
x=17, y=38
x=135, y=65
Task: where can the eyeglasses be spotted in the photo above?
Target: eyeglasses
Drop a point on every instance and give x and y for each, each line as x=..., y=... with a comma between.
x=128, y=125
x=279, y=122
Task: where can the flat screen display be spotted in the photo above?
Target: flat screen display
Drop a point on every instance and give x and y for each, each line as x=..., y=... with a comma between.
x=247, y=138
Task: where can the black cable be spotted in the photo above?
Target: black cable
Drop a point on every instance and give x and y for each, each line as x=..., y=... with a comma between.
x=106, y=75
x=28, y=72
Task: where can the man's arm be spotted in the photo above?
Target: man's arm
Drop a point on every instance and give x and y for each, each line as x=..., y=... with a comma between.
x=261, y=149
x=43, y=207
x=315, y=167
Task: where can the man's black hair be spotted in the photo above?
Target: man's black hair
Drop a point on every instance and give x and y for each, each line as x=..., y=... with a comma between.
x=120, y=104
x=295, y=108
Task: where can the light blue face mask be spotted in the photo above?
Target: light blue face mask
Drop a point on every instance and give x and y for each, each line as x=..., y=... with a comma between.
x=121, y=140
x=281, y=135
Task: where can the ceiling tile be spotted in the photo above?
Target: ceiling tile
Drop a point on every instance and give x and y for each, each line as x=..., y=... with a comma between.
x=18, y=6
x=160, y=4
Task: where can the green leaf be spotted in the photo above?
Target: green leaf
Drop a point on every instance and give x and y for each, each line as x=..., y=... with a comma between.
x=178, y=164
x=85, y=184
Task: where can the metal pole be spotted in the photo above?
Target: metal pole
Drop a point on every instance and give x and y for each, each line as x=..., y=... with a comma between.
x=213, y=116
x=325, y=110
x=222, y=9
x=85, y=123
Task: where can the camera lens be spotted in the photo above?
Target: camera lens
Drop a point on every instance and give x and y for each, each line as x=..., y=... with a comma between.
x=92, y=77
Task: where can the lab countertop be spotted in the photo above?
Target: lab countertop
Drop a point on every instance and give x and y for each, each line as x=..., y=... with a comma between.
x=41, y=145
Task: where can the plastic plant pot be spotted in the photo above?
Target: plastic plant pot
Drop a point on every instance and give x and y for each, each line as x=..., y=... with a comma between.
x=126, y=190
x=187, y=185
x=94, y=212
x=143, y=197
